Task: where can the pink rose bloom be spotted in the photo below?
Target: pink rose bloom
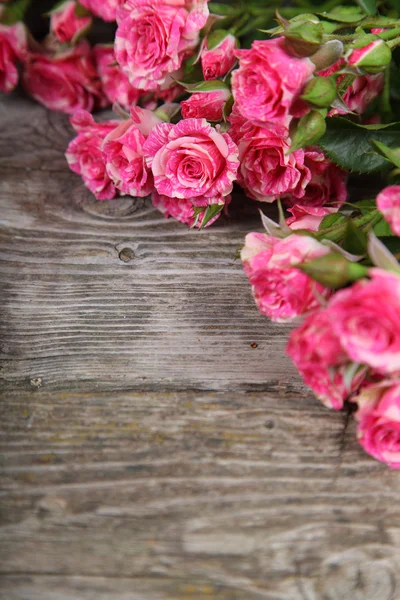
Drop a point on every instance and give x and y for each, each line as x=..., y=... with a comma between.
x=316, y=351
x=206, y=105
x=191, y=160
x=366, y=318
x=66, y=82
x=308, y=217
x=217, y=60
x=267, y=170
x=115, y=83
x=281, y=291
x=153, y=38
x=182, y=209
x=388, y=202
x=123, y=148
x=13, y=49
x=66, y=24
x=378, y=419
x=328, y=182
x=105, y=9
x=85, y=156
x=269, y=81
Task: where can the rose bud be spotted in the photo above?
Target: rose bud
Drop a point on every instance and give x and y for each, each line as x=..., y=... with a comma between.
x=303, y=38
x=334, y=270
x=320, y=91
x=309, y=130
x=206, y=105
x=218, y=57
x=372, y=58
x=66, y=24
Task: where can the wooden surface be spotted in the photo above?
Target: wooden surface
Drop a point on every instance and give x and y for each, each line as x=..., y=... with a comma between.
x=156, y=442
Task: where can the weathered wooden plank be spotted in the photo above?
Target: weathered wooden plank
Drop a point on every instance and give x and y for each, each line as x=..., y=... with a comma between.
x=191, y=495
x=112, y=295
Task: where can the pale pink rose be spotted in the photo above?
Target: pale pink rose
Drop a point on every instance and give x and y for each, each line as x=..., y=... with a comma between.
x=66, y=82
x=308, y=217
x=219, y=59
x=123, y=148
x=105, y=9
x=182, y=209
x=191, y=159
x=388, y=202
x=13, y=49
x=115, y=83
x=320, y=359
x=66, y=24
x=267, y=85
x=206, y=105
x=153, y=38
x=366, y=318
x=281, y=291
x=267, y=170
x=378, y=419
x=86, y=157
x=327, y=186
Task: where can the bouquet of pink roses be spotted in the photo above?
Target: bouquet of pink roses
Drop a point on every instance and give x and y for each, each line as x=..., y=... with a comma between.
x=291, y=104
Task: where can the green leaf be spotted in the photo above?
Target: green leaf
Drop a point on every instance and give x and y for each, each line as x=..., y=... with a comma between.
x=211, y=211
x=386, y=152
x=204, y=86
x=382, y=229
x=349, y=145
x=344, y=14
x=329, y=220
x=14, y=12
x=354, y=240
x=369, y=6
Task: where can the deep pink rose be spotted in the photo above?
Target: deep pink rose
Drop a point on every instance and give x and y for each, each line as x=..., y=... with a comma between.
x=123, y=148
x=308, y=217
x=66, y=82
x=378, y=419
x=267, y=170
x=66, y=24
x=388, y=202
x=105, y=9
x=327, y=186
x=182, y=209
x=268, y=82
x=86, y=157
x=366, y=318
x=206, y=105
x=13, y=49
x=281, y=291
x=153, y=38
x=320, y=359
x=115, y=83
x=217, y=60
x=191, y=160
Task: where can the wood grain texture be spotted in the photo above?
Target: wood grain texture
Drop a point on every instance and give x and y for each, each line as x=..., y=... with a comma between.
x=156, y=443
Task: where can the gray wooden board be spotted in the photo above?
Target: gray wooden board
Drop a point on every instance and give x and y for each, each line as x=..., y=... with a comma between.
x=156, y=442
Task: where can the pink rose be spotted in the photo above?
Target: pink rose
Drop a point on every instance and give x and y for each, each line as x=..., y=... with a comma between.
x=316, y=351
x=281, y=291
x=388, y=202
x=66, y=82
x=105, y=9
x=182, y=209
x=66, y=25
x=268, y=82
x=123, y=148
x=85, y=156
x=115, y=83
x=267, y=170
x=191, y=160
x=379, y=421
x=366, y=318
x=308, y=217
x=153, y=38
x=372, y=58
x=328, y=182
x=206, y=105
x=218, y=55
x=13, y=49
